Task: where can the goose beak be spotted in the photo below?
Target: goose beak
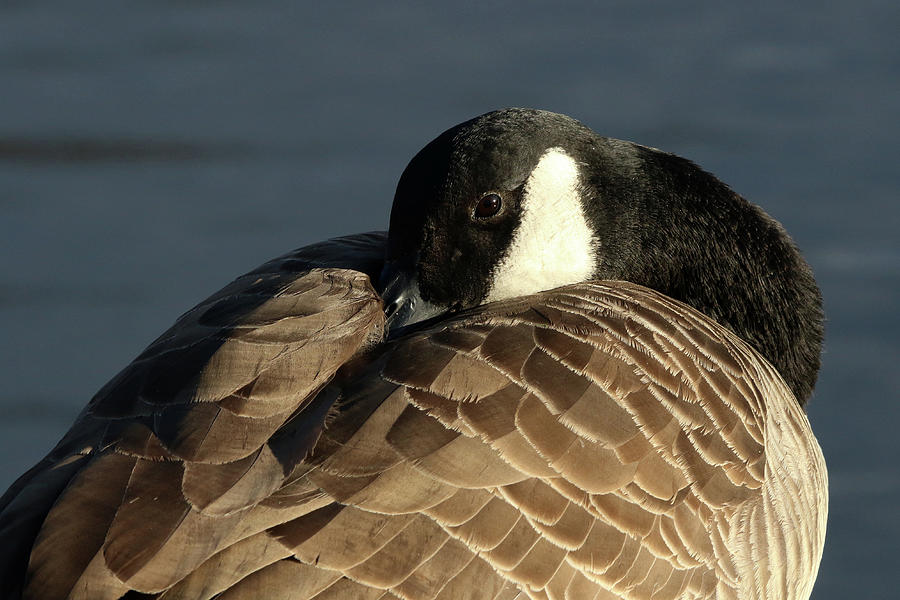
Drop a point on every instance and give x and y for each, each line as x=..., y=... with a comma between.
x=403, y=302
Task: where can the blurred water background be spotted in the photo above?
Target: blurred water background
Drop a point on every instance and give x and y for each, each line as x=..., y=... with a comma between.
x=150, y=151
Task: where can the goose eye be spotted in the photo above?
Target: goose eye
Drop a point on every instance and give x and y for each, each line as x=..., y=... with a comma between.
x=488, y=206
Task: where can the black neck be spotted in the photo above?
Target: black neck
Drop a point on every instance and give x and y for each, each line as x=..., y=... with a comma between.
x=681, y=231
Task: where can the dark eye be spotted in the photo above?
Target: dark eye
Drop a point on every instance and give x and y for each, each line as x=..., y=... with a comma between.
x=488, y=206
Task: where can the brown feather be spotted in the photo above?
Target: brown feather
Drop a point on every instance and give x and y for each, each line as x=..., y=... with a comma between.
x=596, y=441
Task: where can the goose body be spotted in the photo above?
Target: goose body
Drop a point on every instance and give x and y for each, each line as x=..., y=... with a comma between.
x=348, y=421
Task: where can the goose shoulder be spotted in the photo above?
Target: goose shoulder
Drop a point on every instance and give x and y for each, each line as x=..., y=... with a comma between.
x=154, y=471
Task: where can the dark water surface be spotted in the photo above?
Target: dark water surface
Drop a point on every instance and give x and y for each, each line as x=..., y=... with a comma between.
x=152, y=151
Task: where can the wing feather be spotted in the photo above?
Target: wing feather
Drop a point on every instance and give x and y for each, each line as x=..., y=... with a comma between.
x=175, y=453
x=596, y=441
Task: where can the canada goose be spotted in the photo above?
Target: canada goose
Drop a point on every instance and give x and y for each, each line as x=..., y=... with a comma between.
x=589, y=384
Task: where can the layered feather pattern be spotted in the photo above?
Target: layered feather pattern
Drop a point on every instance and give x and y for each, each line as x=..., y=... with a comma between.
x=595, y=441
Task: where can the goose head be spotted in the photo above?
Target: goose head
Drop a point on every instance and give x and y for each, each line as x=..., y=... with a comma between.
x=518, y=201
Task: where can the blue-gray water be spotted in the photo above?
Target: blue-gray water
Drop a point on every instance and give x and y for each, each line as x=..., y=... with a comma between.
x=151, y=151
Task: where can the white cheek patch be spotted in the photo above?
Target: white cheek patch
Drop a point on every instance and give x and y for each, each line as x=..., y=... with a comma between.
x=553, y=244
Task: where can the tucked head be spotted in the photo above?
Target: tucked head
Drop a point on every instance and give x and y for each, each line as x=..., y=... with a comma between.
x=518, y=201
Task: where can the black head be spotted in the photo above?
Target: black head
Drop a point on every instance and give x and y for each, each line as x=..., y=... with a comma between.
x=517, y=201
